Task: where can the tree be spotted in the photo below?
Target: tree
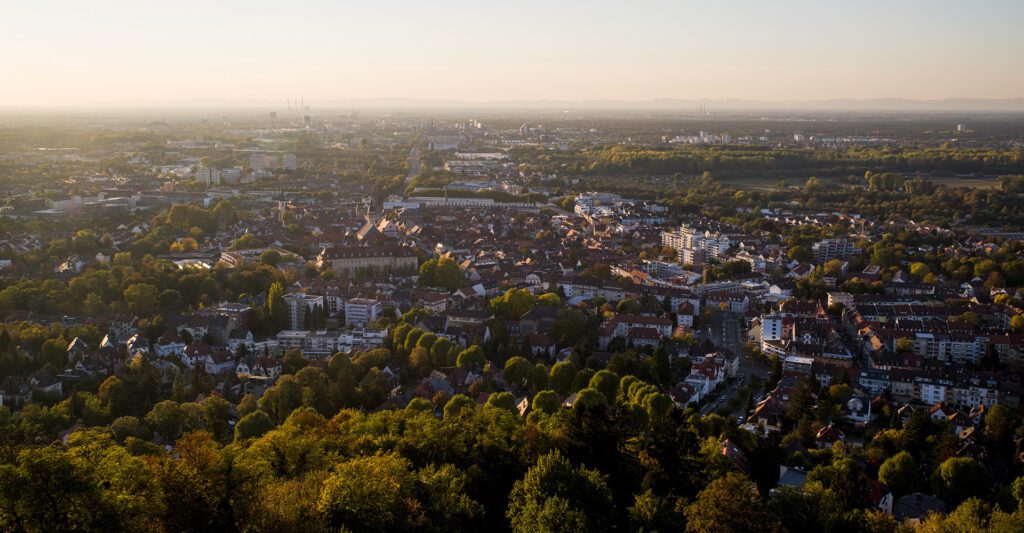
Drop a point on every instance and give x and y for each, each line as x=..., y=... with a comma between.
x=538, y=377
x=800, y=253
x=276, y=309
x=513, y=304
x=369, y=494
x=270, y=257
x=900, y=473
x=729, y=503
x=167, y=419
x=651, y=512
x=141, y=298
x=440, y=352
x=113, y=397
x=195, y=486
x=419, y=362
x=502, y=400
x=919, y=270
x=443, y=272
x=517, y=370
x=960, y=478
x=456, y=405
x=810, y=508
x=546, y=402
x=555, y=496
x=441, y=490
x=399, y=333
x=426, y=340
x=549, y=299
x=293, y=361
x=170, y=300
x=999, y=425
x=217, y=418
x=246, y=242
x=607, y=383
x=563, y=373
x=474, y=355
x=252, y=426
x=1017, y=489
x=569, y=327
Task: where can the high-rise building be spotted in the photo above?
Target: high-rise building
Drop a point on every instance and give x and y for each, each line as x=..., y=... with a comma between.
x=257, y=162
x=694, y=246
x=289, y=162
x=298, y=303
x=210, y=177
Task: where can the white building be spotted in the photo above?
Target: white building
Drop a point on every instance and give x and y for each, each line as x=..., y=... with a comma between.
x=360, y=311
x=298, y=304
x=210, y=177
x=828, y=249
x=695, y=246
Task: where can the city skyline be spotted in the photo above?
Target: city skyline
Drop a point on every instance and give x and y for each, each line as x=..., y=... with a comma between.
x=114, y=54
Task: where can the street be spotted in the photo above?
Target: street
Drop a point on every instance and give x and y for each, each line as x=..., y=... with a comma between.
x=725, y=332
x=414, y=168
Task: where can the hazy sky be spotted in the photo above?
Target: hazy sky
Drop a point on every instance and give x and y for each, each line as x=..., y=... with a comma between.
x=55, y=52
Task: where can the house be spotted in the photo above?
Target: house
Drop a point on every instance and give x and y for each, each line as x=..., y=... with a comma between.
x=767, y=415
x=683, y=394
x=195, y=353
x=169, y=344
x=540, y=345
x=14, y=392
x=959, y=421
x=43, y=382
x=828, y=435
x=219, y=362
x=622, y=324
x=240, y=338
x=793, y=477
x=78, y=350
x=917, y=507
x=737, y=459
x=940, y=412
x=137, y=344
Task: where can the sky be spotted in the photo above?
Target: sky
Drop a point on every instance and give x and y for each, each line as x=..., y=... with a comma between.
x=60, y=53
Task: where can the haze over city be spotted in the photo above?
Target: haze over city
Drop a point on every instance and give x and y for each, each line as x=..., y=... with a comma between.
x=68, y=53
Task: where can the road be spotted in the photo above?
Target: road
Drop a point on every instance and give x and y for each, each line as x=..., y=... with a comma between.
x=727, y=334
x=414, y=167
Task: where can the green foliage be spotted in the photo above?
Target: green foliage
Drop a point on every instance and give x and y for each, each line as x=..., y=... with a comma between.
x=442, y=273
x=517, y=371
x=960, y=478
x=729, y=503
x=562, y=376
x=900, y=473
x=513, y=304
x=474, y=355
x=555, y=496
x=276, y=310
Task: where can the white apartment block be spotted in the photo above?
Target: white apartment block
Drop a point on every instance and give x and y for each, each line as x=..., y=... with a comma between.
x=298, y=304
x=695, y=246
x=828, y=249
x=360, y=311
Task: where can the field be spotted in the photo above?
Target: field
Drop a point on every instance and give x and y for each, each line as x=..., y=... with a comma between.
x=771, y=184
